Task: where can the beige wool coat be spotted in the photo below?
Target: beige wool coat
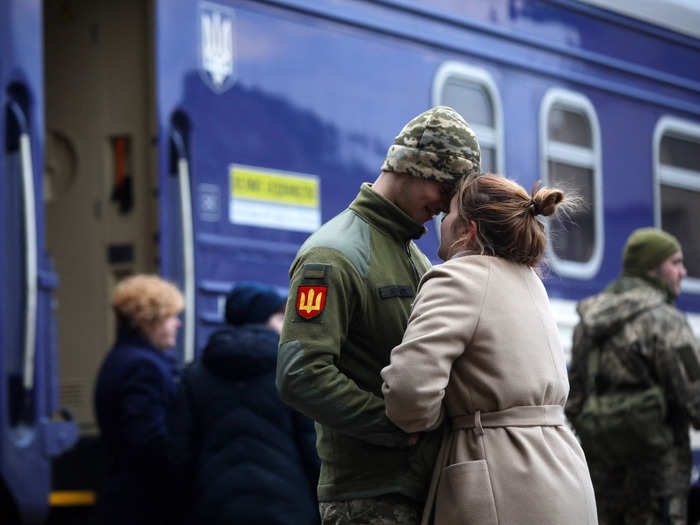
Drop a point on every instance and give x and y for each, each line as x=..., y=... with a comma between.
x=482, y=354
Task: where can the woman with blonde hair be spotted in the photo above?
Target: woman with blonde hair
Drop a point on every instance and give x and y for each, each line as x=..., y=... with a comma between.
x=135, y=385
x=481, y=355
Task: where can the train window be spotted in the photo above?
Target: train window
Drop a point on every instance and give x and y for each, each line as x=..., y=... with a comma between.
x=468, y=97
x=570, y=142
x=677, y=188
x=473, y=94
x=569, y=127
x=680, y=153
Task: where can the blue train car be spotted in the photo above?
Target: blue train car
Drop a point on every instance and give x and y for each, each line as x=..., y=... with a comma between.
x=205, y=140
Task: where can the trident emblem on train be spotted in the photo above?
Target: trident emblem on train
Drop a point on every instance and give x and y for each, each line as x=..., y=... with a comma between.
x=216, y=46
x=311, y=300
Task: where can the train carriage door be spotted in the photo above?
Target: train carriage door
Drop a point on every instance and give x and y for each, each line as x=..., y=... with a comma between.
x=27, y=338
x=101, y=201
x=234, y=205
x=176, y=53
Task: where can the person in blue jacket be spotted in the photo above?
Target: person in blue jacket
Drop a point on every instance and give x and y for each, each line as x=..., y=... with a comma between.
x=244, y=456
x=135, y=385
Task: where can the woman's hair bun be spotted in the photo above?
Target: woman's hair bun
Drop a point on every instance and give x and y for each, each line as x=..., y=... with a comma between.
x=546, y=200
x=505, y=216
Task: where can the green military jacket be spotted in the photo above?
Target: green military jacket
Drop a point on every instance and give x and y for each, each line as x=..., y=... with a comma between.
x=644, y=340
x=352, y=285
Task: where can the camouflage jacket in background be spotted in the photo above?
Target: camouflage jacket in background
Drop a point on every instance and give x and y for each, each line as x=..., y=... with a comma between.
x=644, y=340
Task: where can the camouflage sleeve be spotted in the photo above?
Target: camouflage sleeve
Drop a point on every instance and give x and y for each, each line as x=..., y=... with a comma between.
x=308, y=377
x=678, y=367
x=580, y=348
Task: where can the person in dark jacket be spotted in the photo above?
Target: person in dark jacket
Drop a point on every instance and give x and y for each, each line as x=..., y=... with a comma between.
x=135, y=385
x=244, y=456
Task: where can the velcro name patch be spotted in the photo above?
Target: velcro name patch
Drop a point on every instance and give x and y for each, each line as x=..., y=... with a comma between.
x=315, y=271
x=387, y=292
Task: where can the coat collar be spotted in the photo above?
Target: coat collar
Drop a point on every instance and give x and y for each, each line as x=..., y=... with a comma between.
x=136, y=340
x=385, y=215
x=628, y=281
x=133, y=338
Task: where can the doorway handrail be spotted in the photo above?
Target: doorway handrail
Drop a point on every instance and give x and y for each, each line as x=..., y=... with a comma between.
x=183, y=173
x=30, y=249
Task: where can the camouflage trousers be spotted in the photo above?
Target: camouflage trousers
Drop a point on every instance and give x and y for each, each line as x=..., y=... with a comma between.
x=390, y=509
x=626, y=496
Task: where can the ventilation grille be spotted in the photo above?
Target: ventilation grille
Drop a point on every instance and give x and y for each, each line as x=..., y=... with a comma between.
x=72, y=394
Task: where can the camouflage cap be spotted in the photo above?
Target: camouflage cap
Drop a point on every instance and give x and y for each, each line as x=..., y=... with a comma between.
x=438, y=145
x=646, y=249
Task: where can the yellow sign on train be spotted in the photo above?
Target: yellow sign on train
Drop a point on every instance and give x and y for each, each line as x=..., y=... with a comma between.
x=274, y=199
x=269, y=186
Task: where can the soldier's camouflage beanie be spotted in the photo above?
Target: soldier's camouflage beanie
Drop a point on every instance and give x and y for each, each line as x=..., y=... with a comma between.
x=437, y=145
x=646, y=249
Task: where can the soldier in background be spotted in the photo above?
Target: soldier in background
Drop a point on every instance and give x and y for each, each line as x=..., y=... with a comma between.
x=352, y=284
x=643, y=340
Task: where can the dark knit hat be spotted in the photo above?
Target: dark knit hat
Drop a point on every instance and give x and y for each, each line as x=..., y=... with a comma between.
x=646, y=249
x=250, y=303
x=436, y=145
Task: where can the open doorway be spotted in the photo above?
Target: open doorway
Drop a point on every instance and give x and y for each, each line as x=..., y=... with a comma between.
x=100, y=176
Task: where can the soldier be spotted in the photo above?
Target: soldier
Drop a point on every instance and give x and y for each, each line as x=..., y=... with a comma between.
x=640, y=341
x=352, y=284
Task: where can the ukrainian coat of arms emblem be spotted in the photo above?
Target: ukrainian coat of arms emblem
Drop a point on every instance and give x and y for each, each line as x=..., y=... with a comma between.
x=217, y=47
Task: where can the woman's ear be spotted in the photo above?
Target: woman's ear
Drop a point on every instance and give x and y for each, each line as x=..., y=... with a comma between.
x=468, y=232
x=465, y=234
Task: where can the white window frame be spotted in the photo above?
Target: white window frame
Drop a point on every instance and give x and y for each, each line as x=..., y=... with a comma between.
x=580, y=157
x=675, y=177
x=487, y=136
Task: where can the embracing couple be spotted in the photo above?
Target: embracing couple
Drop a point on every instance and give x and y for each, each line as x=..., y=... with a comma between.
x=438, y=392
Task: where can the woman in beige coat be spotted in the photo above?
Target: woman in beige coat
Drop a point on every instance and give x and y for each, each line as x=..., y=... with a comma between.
x=482, y=354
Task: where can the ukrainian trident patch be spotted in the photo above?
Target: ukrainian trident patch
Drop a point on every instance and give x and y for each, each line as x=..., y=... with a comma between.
x=311, y=300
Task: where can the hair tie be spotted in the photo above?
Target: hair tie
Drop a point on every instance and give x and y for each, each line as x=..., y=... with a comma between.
x=535, y=209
